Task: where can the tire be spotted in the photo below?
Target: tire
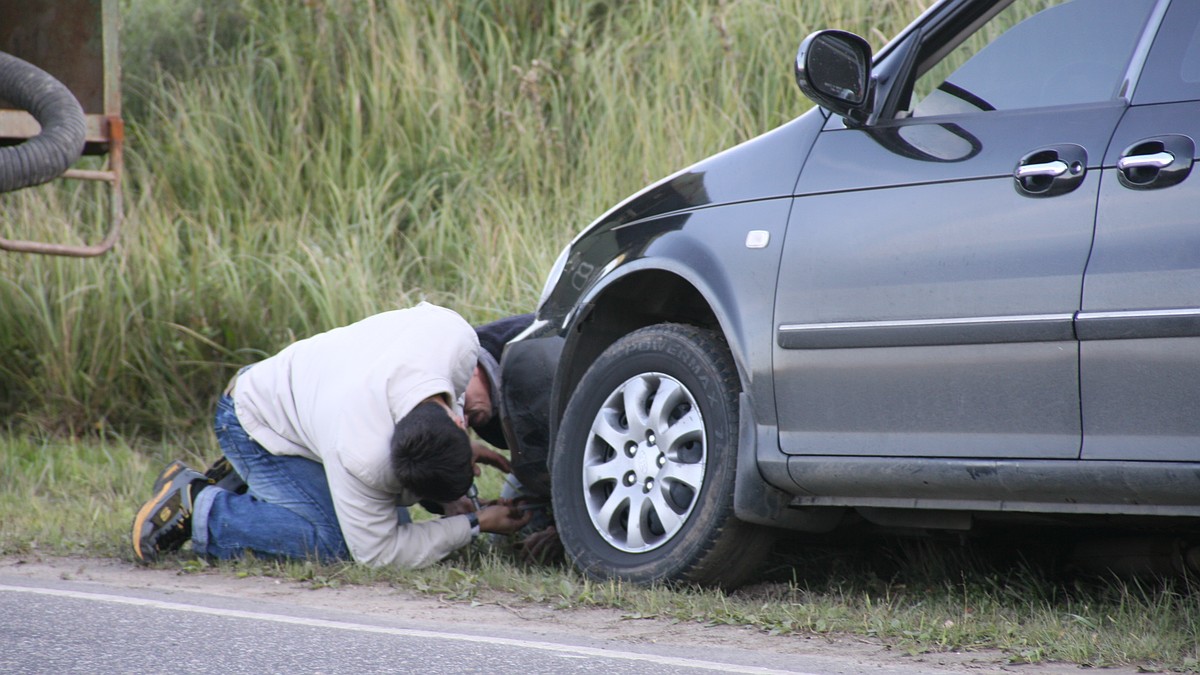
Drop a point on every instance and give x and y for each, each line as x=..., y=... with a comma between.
x=611, y=463
x=64, y=130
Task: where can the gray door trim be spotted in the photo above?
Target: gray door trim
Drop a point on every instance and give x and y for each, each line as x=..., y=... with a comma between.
x=928, y=332
x=1138, y=324
x=1084, y=326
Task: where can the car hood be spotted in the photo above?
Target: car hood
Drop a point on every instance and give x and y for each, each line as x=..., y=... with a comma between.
x=765, y=167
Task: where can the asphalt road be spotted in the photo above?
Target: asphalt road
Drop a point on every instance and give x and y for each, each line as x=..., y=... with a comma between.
x=63, y=630
x=73, y=616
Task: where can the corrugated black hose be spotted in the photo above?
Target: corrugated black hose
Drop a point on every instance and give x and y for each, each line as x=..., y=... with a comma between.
x=60, y=143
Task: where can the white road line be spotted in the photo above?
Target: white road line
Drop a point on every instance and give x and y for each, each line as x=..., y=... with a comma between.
x=565, y=650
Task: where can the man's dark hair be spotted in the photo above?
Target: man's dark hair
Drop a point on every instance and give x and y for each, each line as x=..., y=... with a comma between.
x=431, y=455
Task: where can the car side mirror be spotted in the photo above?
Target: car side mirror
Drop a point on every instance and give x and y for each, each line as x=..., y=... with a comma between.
x=833, y=68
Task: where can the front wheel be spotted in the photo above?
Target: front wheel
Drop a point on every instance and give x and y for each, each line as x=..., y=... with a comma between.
x=645, y=459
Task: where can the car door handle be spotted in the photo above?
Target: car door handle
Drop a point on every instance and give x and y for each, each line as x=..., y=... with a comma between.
x=1157, y=162
x=1051, y=171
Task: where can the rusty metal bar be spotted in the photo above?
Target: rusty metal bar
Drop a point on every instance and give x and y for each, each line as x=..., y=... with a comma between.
x=86, y=174
x=115, y=206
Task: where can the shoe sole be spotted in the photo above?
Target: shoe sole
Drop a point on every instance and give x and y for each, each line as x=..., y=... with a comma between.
x=142, y=524
x=141, y=521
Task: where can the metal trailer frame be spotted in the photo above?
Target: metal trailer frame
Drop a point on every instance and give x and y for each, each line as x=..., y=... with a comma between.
x=76, y=41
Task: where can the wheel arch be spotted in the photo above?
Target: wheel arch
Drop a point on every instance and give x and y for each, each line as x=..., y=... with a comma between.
x=637, y=295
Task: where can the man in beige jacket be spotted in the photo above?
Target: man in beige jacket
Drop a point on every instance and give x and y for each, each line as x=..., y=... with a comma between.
x=335, y=436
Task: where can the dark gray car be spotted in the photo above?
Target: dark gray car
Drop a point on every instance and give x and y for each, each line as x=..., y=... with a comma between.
x=968, y=284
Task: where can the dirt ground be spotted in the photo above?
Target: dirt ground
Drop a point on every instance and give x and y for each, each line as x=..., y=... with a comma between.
x=534, y=620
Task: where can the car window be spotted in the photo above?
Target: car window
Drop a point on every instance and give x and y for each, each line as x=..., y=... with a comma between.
x=1172, y=71
x=1037, y=53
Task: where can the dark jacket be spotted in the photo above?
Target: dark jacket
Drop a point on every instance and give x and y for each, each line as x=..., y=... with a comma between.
x=492, y=338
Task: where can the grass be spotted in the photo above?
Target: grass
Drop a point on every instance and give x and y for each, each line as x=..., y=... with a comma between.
x=76, y=498
x=293, y=166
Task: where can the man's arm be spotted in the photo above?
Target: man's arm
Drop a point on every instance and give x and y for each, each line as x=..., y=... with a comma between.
x=373, y=531
x=481, y=454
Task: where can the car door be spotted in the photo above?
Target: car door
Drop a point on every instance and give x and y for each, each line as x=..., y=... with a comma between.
x=1140, y=321
x=933, y=262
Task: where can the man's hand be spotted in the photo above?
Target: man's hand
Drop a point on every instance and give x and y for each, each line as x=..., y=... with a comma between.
x=457, y=507
x=502, y=517
x=481, y=454
x=542, y=547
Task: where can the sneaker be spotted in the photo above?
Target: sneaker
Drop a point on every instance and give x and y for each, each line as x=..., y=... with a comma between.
x=221, y=474
x=167, y=474
x=164, y=522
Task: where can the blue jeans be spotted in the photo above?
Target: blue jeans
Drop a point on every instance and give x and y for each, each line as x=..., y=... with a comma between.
x=287, y=511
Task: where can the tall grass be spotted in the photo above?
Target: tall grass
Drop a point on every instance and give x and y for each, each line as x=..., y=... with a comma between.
x=293, y=166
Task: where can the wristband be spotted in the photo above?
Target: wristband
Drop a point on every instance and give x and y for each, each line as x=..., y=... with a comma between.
x=473, y=520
